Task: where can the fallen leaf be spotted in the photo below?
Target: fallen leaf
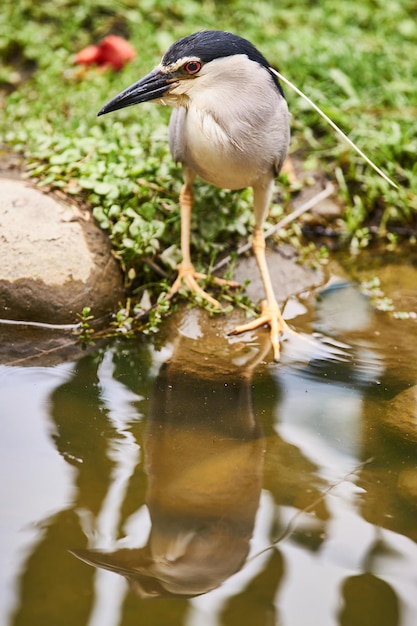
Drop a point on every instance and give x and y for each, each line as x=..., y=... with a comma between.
x=112, y=51
x=88, y=55
x=115, y=51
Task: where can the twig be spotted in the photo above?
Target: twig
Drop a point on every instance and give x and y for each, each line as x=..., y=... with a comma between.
x=41, y=324
x=307, y=206
x=292, y=524
x=155, y=267
x=40, y=353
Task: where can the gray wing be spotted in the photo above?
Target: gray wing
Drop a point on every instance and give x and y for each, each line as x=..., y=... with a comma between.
x=176, y=134
x=283, y=123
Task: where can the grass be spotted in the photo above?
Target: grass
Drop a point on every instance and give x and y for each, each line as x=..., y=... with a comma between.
x=356, y=60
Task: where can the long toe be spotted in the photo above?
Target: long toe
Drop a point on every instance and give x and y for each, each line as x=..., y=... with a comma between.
x=187, y=276
x=272, y=317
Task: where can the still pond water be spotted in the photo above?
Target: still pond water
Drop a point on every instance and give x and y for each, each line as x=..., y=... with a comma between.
x=170, y=483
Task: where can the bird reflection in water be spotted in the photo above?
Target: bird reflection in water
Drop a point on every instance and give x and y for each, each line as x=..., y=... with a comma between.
x=204, y=450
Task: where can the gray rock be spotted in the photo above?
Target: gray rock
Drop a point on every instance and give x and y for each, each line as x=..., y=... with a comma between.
x=52, y=263
x=288, y=278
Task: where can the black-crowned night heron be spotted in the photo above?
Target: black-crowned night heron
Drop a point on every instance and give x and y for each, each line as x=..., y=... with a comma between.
x=230, y=126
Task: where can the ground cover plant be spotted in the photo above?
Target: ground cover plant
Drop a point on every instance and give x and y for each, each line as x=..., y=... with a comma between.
x=355, y=59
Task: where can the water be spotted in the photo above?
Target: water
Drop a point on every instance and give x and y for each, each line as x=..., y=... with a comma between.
x=167, y=482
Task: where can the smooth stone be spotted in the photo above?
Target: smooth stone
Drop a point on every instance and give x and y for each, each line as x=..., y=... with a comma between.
x=54, y=262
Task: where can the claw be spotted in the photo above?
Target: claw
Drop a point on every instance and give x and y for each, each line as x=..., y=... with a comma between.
x=188, y=276
x=272, y=317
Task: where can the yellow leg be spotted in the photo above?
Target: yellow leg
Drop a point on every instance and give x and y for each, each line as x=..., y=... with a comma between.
x=186, y=272
x=270, y=310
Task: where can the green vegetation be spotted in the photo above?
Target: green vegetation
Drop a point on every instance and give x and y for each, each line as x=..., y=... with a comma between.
x=355, y=59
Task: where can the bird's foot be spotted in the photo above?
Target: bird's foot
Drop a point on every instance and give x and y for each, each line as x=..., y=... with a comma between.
x=188, y=276
x=270, y=315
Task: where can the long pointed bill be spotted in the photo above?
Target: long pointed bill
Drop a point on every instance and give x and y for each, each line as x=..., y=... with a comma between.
x=151, y=87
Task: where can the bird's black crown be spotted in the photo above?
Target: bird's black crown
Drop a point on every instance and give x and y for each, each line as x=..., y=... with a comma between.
x=208, y=45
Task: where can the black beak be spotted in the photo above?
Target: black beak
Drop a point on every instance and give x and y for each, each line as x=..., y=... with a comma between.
x=151, y=87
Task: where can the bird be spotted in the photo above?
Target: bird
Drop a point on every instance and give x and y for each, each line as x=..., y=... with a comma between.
x=230, y=126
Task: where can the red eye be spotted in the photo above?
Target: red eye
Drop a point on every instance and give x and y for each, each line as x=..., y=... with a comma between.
x=192, y=67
